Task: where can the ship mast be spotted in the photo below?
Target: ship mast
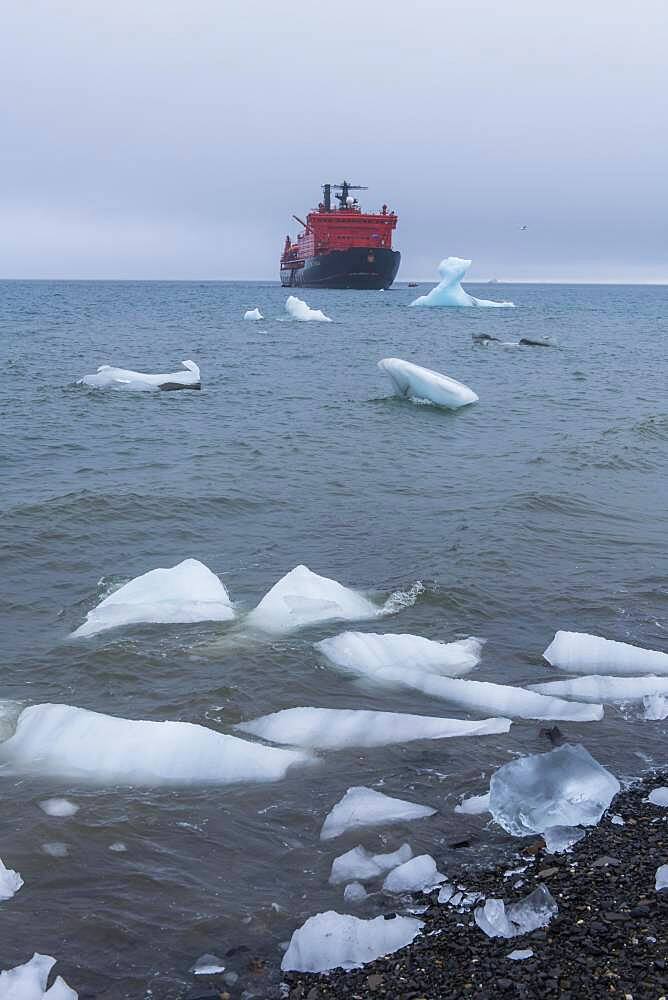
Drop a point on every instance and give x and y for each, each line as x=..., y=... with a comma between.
x=342, y=198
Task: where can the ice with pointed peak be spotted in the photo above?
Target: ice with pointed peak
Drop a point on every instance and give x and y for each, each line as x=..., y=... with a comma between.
x=363, y=866
x=58, y=807
x=417, y=383
x=607, y=690
x=659, y=796
x=362, y=806
x=302, y=598
x=108, y=377
x=77, y=744
x=28, y=982
x=298, y=309
x=661, y=881
x=474, y=806
x=520, y=954
x=655, y=707
x=253, y=314
x=333, y=940
x=449, y=292
x=207, y=965
x=560, y=839
x=337, y=728
x=376, y=650
x=354, y=892
x=528, y=914
x=187, y=592
x=563, y=787
x=581, y=653
x=417, y=875
x=10, y=882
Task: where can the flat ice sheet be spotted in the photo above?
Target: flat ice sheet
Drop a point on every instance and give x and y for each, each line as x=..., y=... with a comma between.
x=333, y=940
x=418, y=383
x=581, y=653
x=607, y=690
x=373, y=651
x=362, y=806
x=108, y=377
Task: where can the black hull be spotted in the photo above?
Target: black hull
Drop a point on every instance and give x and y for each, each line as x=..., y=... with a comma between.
x=355, y=268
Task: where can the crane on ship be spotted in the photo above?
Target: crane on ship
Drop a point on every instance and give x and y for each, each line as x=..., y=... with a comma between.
x=345, y=188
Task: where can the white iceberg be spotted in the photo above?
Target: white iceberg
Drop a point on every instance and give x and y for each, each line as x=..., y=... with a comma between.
x=108, y=377
x=564, y=787
x=10, y=883
x=607, y=690
x=363, y=866
x=58, y=807
x=659, y=796
x=28, y=982
x=74, y=743
x=354, y=893
x=474, y=806
x=302, y=598
x=336, y=728
x=417, y=875
x=417, y=383
x=560, y=839
x=449, y=291
x=581, y=653
x=253, y=314
x=187, y=592
x=362, y=806
x=661, y=881
x=655, y=707
x=534, y=911
x=297, y=309
x=372, y=651
x=332, y=940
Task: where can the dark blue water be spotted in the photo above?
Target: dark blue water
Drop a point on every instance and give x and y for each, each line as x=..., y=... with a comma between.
x=541, y=507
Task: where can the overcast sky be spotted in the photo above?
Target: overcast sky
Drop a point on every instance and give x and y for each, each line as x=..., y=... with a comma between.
x=165, y=139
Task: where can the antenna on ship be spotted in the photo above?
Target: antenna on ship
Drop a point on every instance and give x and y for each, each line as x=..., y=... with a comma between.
x=342, y=198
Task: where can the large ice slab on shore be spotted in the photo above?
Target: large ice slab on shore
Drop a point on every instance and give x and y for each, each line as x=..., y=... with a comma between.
x=608, y=690
x=661, y=879
x=581, y=653
x=333, y=940
x=564, y=787
x=362, y=806
x=336, y=728
x=108, y=377
x=74, y=743
x=28, y=982
x=373, y=651
x=302, y=598
x=298, y=309
x=418, y=383
x=449, y=292
x=361, y=865
x=528, y=914
x=417, y=875
x=187, y=592
x=10, y=883
x=659, y=796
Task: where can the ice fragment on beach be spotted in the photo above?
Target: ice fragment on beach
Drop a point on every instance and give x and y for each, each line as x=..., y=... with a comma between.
x=108, y=377
x=608, y=690
x=474, y=806
x=581, y=653
x=449, y=291
x=74, y=743
x=58, y=807
x=362, y=866
x=564, y=787
x=28, y=982
x=617, y=820
x=298, y=309
x=519, y=954
x=659, y=796
x=335, y=728
x=418, y=383
x=354, y=892
x=253, y=314
x=661, y=878
x=333, y=940
x=445, y=894
x=534, y=911
x=655, y=707
x=560, y=839
x=372, y=651
x=417, y=875
x=207, y=965
x=187, y=592
x=10, y=882
x=362, y=806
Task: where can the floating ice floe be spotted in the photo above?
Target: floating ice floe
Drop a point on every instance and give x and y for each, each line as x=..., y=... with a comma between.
x=354, y=892
x=188, y=592
x=302, y=598
x=661, y=881
x=560, y=839
x=28, y=982
x=108, y=377
x=58, y=807
x=659, y=796
x=10, y=883
x=74, y=743
x=581, y=653
x=474, y=806
x=337, y=728
x=297, y=309
x=449, y=291
x=363, y=866
x=362, y=806
x=422, y=384
x=374, y=651
x=333, y=940
x=607, y=690
x=207, y=965
x=253, y=314
x=417, y=875
x=520, y=954
x=655, y=707
x=564, y=787
x=534, y=911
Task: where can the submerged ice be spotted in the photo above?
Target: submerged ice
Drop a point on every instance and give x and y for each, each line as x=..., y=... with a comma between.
x=373, y=651
x=528, y=914
x=362, y=806
x=581, y=653
x=302, y=598
x=29, y=981
x=418, y=383
x=108, y=377
x=449, y=291
x=298, y=309
x=333, y=940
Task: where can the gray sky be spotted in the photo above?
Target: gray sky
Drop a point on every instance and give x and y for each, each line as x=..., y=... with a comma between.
x=164, y=139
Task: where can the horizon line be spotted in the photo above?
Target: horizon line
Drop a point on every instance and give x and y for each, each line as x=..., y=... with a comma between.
x=424, y=281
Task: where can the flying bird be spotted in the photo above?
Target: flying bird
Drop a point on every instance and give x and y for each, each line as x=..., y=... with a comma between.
x=522, y=228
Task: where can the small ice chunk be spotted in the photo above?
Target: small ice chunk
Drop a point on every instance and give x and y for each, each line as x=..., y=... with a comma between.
x=617, y=820
x=10, y=883
x=661, y=878
x=564, y=787
x=207, y=965
x=187, y=592
x=374, y=651
x=469, y=898
x=108, y=377
x=56, y=849
x=449, y=291
x=336, y=728
x=354, y=892
x=253, y=314
x=333, y=940
x=362, y=866
x=581, y=653
x=28, y=982
x=445, y=894
x=417, y=383
x=655, y=707
x=659, y=796
x=519, y=954
x=534, y=911
x=298, y=309
x=58, y=807
x=302, y=598
x=362, y=806
x=417, y=875
x=118, y=847
x=474, y=806
x=560, y=839
x=608, y=690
